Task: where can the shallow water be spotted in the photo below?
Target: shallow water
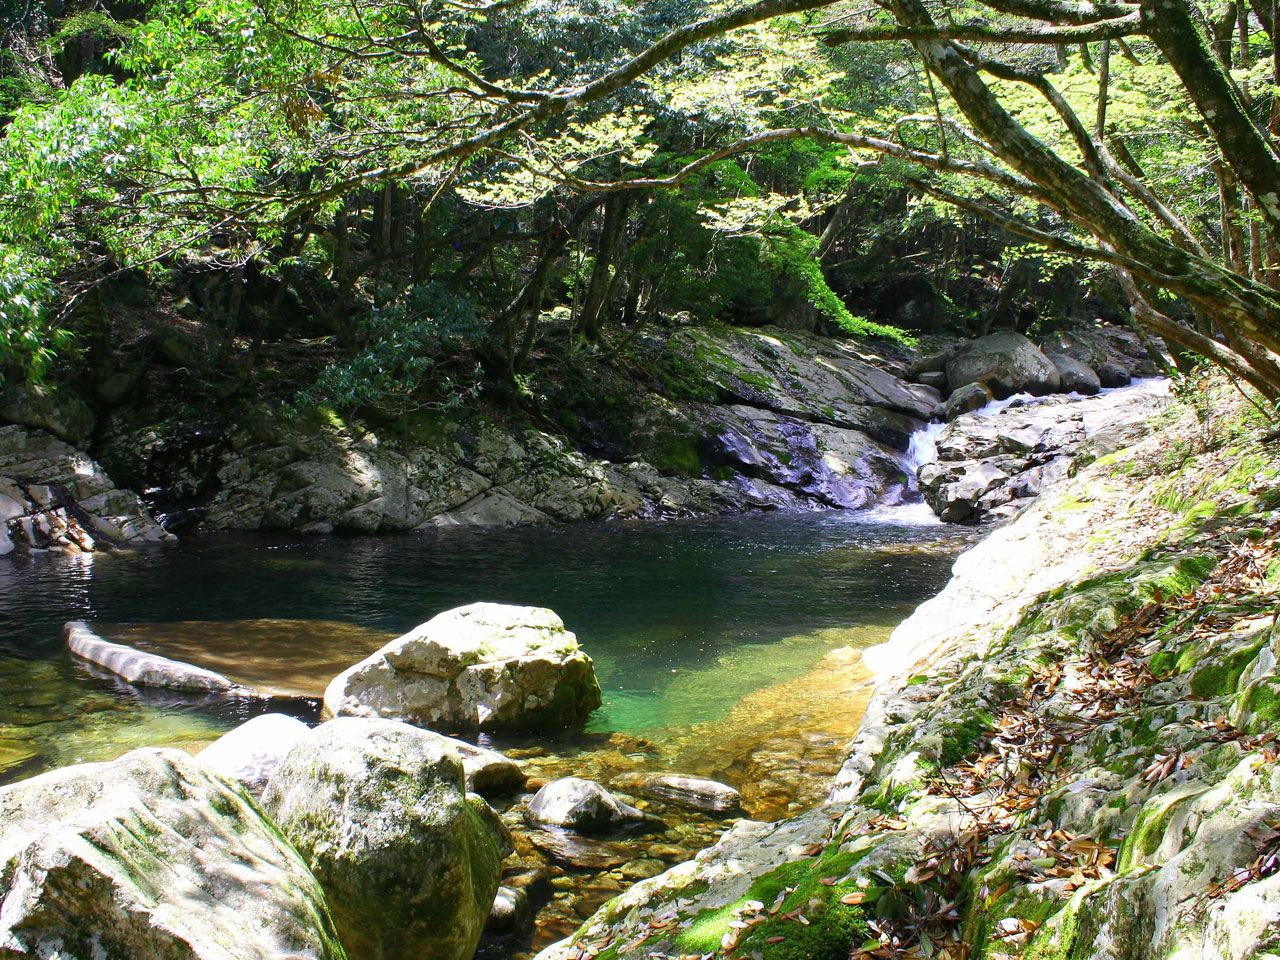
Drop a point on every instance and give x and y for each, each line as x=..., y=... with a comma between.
x=683, y=619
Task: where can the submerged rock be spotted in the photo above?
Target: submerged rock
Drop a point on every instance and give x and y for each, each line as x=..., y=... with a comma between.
x=151, y=857
x=583, y=806
x=409, y=862
x=583, y=853
x=144, y=669
x=1007, y=362
x=486, y=666
x=695, y=792
x=251, y=752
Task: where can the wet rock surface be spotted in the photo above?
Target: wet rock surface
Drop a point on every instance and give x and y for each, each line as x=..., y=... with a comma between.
x=991, y=464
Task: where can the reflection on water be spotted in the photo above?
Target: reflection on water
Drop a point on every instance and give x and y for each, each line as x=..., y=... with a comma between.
x=683, y=619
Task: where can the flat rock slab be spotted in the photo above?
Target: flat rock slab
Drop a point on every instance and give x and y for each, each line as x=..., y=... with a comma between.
x=272, y=658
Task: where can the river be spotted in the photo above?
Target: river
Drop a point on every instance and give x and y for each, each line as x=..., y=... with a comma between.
x=683, y=619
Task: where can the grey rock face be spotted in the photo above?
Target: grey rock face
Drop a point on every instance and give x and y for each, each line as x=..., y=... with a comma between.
x=824, y=465
x=583, y=806
x=1007, y=362
x=787, y=393
x=486, y=666
x=151, y=857
x=52, y=496
x=408, y=861
x=991, y=466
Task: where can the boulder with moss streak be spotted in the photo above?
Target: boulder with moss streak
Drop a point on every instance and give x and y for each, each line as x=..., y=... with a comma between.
x=408, y=860
x=486, y=666
x=151, y=857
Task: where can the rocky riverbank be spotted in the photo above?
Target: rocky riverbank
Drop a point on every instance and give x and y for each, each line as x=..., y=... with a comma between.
x=692, y=421
x=1070, y=751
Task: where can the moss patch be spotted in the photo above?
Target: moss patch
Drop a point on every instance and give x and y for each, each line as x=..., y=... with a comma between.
x=832, y=926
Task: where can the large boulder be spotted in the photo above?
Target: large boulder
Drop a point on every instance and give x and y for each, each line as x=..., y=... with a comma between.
x=583, y=806
x=379, y=811
x=1077, y=377
x=1007, y=362
x=151, y=857
x=61, y=414
x=486, y=666
x=251, y=752
x=967, y=399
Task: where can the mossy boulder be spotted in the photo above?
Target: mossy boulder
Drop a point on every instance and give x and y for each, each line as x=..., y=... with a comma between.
x=409, y=861
x=151, y=857
x=60, y=413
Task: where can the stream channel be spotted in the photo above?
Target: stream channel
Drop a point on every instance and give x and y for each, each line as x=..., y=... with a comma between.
x=725, y=648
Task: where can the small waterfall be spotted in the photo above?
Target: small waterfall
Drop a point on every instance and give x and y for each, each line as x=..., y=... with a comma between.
x=923, y=448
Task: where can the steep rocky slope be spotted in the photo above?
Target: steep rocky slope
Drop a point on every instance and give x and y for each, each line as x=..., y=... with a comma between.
x=1070, y=753
x=688, y=421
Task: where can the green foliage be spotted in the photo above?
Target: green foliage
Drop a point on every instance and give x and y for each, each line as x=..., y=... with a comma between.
x=27, y=339
x=406, y=364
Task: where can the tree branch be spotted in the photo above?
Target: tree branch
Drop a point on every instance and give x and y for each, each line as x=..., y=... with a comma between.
x=980, y=33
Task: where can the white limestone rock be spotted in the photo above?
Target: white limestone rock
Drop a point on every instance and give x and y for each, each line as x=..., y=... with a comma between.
x=251, y=752
x=486, y=666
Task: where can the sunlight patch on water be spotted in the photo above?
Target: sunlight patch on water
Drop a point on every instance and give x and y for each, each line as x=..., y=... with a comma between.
x=711, y=691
